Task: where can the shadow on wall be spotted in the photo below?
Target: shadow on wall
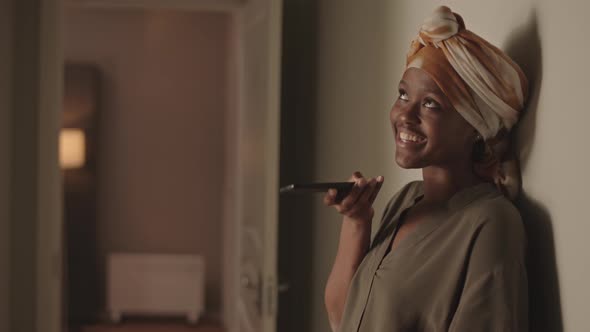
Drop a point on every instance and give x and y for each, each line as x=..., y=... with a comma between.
x=524, y=47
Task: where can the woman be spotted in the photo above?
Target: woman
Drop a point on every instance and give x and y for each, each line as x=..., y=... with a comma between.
x=449, y=254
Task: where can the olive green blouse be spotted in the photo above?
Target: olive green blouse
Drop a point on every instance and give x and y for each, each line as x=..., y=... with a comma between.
x=461, y=270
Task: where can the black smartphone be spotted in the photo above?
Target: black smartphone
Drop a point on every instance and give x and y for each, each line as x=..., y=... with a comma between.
x=343, y=188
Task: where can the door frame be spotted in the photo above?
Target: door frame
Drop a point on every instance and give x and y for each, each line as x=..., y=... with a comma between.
x=49, y=312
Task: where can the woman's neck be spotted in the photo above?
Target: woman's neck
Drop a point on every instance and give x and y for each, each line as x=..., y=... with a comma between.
x=441, y=183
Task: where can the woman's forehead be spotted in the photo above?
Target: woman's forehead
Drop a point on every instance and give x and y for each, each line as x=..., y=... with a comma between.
x=418, y=79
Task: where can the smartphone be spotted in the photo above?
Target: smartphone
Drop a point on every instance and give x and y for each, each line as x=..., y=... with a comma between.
x=343, y=188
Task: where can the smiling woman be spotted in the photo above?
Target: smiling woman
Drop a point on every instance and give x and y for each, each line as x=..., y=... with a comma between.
x=449, y=254
x=428, y=130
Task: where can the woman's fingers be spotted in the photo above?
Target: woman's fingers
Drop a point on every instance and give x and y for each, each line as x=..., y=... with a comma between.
x=362, y=202
x=356, y=176
x=366, y=196
x=330, y=197
x=359, y=201
x=377, y=188
x=352, y=196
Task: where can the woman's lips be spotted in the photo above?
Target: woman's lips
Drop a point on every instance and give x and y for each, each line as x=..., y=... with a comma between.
x=406, y=138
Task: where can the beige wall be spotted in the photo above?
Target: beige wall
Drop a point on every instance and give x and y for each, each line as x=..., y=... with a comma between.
x=5, y=151
x=161, y=129
x=361, y=53
x=353, y=99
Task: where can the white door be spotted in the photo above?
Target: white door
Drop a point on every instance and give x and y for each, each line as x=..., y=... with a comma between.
x=258, y=159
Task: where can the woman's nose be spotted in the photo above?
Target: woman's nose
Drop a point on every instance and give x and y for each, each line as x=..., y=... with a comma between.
x=408, y=112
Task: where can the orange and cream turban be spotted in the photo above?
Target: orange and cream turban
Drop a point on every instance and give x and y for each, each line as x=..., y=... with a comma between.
x=482, y=83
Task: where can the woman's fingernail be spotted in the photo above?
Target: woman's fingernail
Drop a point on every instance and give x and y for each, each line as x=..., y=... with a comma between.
x=380, y=178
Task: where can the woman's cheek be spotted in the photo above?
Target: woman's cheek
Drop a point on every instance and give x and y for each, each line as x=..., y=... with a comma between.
x=393, y=114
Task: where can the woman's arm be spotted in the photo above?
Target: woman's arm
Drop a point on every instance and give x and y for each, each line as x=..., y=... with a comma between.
x=355, y=237
x=354, y=243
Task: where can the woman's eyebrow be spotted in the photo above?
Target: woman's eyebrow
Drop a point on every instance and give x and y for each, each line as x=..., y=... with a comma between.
x=433, y=91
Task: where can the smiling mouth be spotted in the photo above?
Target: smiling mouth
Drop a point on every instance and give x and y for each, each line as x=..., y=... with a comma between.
x=411, y=138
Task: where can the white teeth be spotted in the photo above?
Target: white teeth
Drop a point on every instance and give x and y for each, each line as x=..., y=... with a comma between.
x=410, y=137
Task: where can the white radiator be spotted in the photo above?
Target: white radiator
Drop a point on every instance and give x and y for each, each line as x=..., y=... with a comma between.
x=146, y=284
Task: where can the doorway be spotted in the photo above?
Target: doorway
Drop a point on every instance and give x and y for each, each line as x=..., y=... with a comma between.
x=185, y=119
x=155, y=139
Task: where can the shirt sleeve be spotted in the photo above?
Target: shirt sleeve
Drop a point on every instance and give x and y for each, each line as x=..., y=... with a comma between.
x=495, y=292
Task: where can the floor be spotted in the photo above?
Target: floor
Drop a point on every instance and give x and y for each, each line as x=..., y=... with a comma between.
x=150, y=327
x=153, y=326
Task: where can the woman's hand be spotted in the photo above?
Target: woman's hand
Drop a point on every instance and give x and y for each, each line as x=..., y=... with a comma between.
x=358, y=204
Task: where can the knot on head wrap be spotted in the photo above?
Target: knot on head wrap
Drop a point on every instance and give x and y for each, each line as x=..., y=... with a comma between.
x=442, y=25
x=482, y=83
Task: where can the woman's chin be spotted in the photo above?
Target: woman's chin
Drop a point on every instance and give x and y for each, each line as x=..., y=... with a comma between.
x=408, y=162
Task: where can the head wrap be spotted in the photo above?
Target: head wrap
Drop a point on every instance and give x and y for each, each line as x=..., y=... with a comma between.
x=482, y=83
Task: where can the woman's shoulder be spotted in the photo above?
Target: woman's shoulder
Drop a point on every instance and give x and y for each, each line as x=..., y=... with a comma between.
x=495, y=221
x=494, y=208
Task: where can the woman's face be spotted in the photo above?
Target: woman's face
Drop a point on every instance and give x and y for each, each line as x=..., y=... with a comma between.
x=428, y=130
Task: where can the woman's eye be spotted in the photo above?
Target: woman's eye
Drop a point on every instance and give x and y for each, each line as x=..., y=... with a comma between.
x=403, y=96
x=431, y=104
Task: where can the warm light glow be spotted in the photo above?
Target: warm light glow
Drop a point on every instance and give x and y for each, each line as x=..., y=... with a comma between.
x=72, y=148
